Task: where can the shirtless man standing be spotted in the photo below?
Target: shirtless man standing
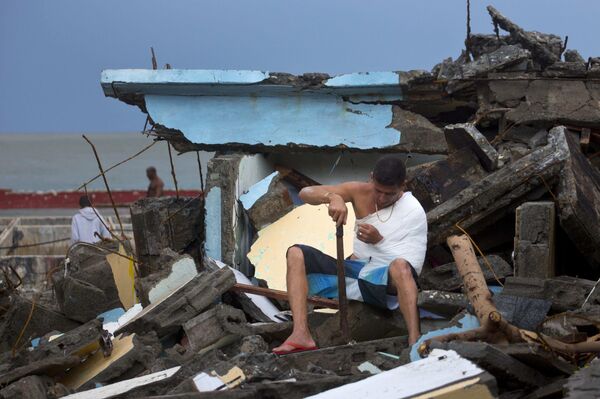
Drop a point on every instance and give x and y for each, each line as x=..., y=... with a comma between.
x=389, y=250
x=156, y=186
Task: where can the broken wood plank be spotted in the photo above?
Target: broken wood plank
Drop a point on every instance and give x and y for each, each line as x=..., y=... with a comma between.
x=295, y=178
x=282, y=295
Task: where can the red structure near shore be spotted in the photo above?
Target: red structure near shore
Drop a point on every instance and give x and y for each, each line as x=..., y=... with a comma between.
x=70, y=199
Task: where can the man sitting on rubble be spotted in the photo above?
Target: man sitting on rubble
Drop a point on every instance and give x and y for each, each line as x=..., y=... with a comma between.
x=389, y=250
x=86, y=225
x=156, y=186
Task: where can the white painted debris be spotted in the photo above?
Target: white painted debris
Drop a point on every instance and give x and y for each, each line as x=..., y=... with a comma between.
x=182, y=272
x=369, y=367
x=440, y=369
x=206, y=383
x=121, y=387
x=111, y=327
x=265, y=305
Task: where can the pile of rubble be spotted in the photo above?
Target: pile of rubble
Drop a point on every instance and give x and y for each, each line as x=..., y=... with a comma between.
x=520, y=186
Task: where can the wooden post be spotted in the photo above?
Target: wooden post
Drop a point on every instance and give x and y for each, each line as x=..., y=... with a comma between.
x=343, y=300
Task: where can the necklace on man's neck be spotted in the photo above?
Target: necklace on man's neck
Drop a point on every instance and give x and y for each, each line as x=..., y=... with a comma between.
x=377, y=212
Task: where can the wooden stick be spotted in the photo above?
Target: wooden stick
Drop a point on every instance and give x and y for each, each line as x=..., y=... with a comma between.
x=282, y=295
x=339, y=233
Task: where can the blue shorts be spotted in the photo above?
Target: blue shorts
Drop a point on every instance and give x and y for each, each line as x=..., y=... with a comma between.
x=365, y=281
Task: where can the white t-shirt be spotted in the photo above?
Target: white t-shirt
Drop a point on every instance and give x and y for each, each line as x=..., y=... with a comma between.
x=403, y=226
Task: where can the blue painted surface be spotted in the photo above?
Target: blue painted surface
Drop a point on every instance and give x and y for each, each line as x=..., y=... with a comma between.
x=112, y=315
x=256, y=191
x=182, y=76
x=212, y=223
x=382, y=86
x=361, y=79
x=467, y=322
x=320, y=120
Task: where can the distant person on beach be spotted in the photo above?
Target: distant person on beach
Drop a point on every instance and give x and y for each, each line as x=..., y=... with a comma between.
x=86, y=225
x=156, y=186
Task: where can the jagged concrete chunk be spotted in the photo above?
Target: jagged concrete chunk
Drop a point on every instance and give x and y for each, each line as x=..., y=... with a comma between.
x=169, y=314
x=584, y=383
x=534, y=240
x=543, y=47
x=579, y=202
x=564, y=292
x=85, y=287
x=270, y=206
x=31, y=387
x=509, y=372
x=212, y=325
x=492, y=197
x=442, y=303
x=466, y=135
x=447, y=278
x=176, y=270
x=417, y=133
x=166, y=222
x=573, y=56
x=42, y=321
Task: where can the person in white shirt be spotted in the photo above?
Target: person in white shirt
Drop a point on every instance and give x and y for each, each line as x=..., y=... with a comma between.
x=86, y=226
x=389, y=251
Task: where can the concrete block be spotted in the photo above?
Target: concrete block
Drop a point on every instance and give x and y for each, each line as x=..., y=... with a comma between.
x=466, y=135
x=534, y=240
x=442, y=303
x=447, y=278
x=166, y=222
x=212, y=325
x=170, y=313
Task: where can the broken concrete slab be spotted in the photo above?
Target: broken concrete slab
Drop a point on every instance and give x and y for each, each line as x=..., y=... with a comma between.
x=487, y=200
x=579, y=202
x=37, y=319
x=34, y=387
x=175, y=271
x=419, y=135
x=564, y=292
x=267, y=201
x=584, y=383
x=525, y=313
x=437, y=182
x=365, y=323
x=86, y=285
x=166, y=222
x=442, y=303
x=212, y=325
x=534, y=240
x=545, y=49
x=167, y=315
x=447, y=278
x=442, y=373
x=509, y=372
x=130, y=356
x=466, y=135
x=223, y=320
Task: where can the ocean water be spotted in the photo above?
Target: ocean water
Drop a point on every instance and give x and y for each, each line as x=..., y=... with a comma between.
x=45, y=162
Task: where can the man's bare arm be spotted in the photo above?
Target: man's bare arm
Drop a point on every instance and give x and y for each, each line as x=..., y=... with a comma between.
x=336, y=196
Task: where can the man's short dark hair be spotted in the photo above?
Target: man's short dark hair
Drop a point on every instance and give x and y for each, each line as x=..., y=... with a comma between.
x=84, y=201
x=389, y=171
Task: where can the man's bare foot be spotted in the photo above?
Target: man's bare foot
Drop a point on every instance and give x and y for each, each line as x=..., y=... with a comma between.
x=298, y=339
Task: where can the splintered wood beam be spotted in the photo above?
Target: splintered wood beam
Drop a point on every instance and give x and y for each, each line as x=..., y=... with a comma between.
x=283, y=295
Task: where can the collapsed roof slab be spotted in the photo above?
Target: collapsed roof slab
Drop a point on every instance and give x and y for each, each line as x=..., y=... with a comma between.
x=262, y=111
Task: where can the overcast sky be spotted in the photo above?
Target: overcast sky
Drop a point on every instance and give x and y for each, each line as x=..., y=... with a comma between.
x=52, y=52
